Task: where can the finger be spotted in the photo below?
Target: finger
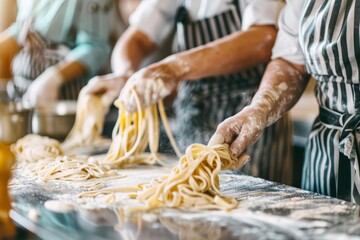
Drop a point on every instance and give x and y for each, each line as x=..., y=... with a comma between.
x=216, y=139
x=128, y=99
x=108, y=99
x=239, y=144
x=223, y=134
x=96, y=87
x=242, y=160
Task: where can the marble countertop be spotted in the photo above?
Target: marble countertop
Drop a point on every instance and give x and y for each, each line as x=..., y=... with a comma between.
x=267, y=210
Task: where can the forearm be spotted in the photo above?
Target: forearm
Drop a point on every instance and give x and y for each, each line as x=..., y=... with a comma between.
x=70, y=70
x=129, y=52
x=281, y=87
x=233, y=53
x=8, y=49
x=8, y=9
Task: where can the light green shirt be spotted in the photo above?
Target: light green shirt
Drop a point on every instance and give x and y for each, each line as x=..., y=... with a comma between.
x=82, y=25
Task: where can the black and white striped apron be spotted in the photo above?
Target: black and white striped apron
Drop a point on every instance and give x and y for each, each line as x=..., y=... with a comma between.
x=201, y=105
x=36, y=55
x=330, y=38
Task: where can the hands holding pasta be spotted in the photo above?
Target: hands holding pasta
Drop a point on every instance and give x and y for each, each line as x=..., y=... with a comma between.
x=241, y=131
x=152, y=84
x=45, y=88
x=108, y=86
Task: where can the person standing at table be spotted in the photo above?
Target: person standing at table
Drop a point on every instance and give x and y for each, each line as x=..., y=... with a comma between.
x=222, y=49
x=8, y=9
x=320, y=38
x=56, y=46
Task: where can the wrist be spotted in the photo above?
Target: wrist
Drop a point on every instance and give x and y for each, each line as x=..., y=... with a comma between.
x=178, y=66
x=263, y=102
x=54, y=75
x=268, y=101
x=3, y=83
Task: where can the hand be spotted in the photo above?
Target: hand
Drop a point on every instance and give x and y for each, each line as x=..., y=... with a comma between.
x=152, y=84
x=241, y=131
x=45, y=88
x=108, y=86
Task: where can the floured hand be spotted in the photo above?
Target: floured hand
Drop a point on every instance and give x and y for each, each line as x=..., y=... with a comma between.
x=241, y=131
x=45, y=88
x=108, y=86
x=152, y=84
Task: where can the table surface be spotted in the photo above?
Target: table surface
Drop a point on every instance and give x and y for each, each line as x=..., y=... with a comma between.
x=267, y=210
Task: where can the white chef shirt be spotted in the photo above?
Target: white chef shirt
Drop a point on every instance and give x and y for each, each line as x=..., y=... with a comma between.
x=287, y=45
x=156, y=17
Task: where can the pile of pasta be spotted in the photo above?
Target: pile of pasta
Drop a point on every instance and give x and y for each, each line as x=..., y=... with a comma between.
x=43, y=158
x=88, y=125
x=33, y=148
x=69, y=168
x=134, y=132
x=192, y=184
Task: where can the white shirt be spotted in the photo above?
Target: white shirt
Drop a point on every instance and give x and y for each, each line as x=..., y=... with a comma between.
x=287, y=45
x=156, y=18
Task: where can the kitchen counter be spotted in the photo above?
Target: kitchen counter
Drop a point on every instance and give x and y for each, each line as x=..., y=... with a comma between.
x=267, y=210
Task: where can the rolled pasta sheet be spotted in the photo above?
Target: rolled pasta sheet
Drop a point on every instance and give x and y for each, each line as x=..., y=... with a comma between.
x=32, y=148
x=88, y=124
x=193, y=183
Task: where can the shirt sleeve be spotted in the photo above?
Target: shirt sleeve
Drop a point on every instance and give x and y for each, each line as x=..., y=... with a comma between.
x=155, y=18
x=92, y=46
x=261, y=12
x=287, y=45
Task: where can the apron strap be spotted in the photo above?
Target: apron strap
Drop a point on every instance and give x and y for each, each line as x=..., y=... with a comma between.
x=182, y=15
x=348, y=155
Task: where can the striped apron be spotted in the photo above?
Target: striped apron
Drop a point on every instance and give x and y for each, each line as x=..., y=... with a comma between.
x=34, y=58
x=201, y=105
x=330, y=39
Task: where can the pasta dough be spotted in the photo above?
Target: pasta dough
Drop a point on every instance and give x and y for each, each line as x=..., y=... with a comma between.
x=88, y=125
x=133, y=132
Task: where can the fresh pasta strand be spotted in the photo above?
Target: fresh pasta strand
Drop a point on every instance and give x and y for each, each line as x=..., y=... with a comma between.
x=88, y=124
x=95, y=193
x=133, y=132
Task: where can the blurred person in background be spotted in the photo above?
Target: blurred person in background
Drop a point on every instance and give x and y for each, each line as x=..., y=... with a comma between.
x=54, y=47
x=320, y=38
x=222, y=48
x=8, y=10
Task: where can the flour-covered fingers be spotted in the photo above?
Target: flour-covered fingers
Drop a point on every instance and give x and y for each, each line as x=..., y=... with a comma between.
x=242, y=160
x=226, y=132
x=152, y=84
